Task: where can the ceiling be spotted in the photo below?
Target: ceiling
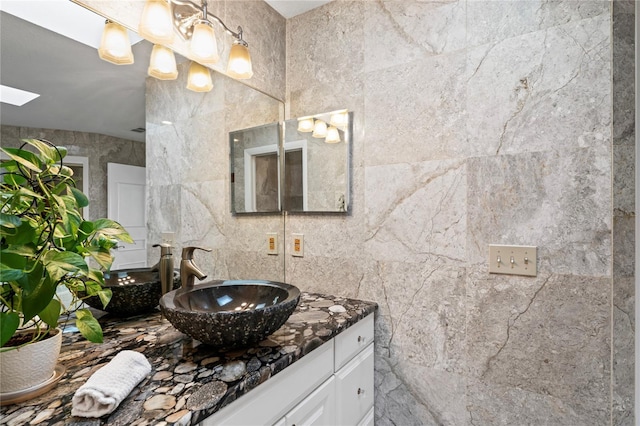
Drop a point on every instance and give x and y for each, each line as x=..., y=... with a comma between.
x=79, y=91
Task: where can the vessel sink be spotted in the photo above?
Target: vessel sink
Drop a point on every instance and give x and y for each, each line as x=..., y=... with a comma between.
x=230, y=314
x=134, y=291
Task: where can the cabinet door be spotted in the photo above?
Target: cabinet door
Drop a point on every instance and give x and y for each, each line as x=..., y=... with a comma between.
x=354, y=388
x=317, y=409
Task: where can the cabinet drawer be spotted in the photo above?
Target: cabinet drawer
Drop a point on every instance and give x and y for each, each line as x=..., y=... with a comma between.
x=353, y=340
x=354, y=388
x=318, y=409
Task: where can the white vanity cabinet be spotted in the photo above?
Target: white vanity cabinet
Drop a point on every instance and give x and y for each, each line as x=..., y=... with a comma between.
x=332, y=385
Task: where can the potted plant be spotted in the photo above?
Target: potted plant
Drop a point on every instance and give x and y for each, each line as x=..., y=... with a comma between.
x=45, y=243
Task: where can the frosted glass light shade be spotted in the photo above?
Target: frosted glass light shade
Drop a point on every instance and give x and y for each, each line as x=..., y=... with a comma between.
x=333, y=136
x=305, y=125
x=203, y=46
x=115, y=46
x=239, y=65
x=320, y=129
x=339, y=119
x=162, y=64
x=156, y=24
x=199, y=78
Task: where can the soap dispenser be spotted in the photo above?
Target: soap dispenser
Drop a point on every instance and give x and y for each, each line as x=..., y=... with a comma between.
x=165, y=267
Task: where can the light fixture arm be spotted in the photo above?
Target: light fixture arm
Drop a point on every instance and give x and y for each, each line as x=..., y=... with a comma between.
x=186, y=13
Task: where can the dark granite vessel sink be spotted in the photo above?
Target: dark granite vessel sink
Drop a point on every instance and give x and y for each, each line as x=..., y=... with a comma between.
x=230, y=314
x=134, y=291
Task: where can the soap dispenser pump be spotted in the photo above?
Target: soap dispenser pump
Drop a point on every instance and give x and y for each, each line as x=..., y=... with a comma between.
x=165, y=267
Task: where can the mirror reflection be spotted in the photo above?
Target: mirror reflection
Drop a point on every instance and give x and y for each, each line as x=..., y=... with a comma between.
x=307, y=170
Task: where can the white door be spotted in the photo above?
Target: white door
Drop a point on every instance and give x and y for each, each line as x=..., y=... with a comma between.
x=126, y=187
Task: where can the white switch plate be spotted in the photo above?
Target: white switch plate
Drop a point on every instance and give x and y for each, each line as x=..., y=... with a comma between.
x=297, y=245
x=513, y=260
x=272, y=243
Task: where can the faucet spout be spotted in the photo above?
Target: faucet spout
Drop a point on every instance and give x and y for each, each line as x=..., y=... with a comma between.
x=188, y=269
x=165, y=267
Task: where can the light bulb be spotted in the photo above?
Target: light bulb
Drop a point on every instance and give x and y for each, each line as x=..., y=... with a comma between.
x=162, y=64
x=339, y=119
x=156, y=24
x=320, y=129
x=199, y=78
x=305, y=125
x=239, y=65
x=203, y=46
x=115, y=46
x=333, y=136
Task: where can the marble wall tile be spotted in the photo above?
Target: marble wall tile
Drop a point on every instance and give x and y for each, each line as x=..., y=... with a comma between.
x=548, y=335
x=314, y=40
x=401, y=32
x=427, y=98
x=494, y=21
x=417, y=211
x=558, y=201
x=623, y=341
x=522, y=97
x=623, y=71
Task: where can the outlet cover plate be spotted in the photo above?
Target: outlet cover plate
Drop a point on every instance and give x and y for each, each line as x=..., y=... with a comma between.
x=513, y=260
x=297, y=245
x=272, y=243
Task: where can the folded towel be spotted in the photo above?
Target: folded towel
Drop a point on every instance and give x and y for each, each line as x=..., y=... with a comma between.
x=107, y=387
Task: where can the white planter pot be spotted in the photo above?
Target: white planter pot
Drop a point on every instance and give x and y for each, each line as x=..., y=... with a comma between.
x=30, y=365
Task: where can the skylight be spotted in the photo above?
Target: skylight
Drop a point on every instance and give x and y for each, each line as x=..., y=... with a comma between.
x=17, y=97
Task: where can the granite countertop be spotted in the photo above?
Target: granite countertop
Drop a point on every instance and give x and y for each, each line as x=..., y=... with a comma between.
x=188, y=381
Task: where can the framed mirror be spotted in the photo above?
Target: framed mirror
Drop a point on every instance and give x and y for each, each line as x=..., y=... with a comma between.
x=316, y=173
x=305, y=170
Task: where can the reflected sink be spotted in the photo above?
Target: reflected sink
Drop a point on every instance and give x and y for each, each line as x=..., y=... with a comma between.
x=230, y=314
x=134, y=291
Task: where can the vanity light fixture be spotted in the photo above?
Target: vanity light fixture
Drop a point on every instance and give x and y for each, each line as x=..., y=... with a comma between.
x=203, y=46
x=162, y=64
x=305, y=124
x=333, y=136
x=114, y=45
x=199, y=79
x=319, y=129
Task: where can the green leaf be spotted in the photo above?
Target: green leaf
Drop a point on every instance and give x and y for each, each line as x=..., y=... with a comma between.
x=92, y=288
x=25, y=158
x=88, y=326
x=112, y=228
x=8, y=274
x=60, y=263
x=80, y=197
x=9, y=220
x=46, y=150
x=12, y=266
x=24, y=234
x=9, y=322
x=101, y=255
x=51, y=313
x=38, y=299
x=105, y=296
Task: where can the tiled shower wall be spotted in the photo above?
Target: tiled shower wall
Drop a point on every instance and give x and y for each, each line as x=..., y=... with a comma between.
x=479, y=122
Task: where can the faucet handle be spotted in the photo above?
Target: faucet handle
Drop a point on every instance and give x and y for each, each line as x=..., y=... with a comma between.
x=187, y=252
x=165, y=248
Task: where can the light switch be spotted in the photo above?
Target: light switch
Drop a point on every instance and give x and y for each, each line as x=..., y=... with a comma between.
x=297, y=248
x=272, y=243
x=513, y=260
x=168, y=237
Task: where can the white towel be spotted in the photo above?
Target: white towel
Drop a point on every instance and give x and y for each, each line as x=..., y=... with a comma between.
x=107, y=387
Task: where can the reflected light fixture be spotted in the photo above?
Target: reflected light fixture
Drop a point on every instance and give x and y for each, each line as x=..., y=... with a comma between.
x=156, y=24
x=162, y=64
x=115, y=46
x=339, y=119
x=199, y=79
x=333, y=136
x=319, y=129
x=305, y=124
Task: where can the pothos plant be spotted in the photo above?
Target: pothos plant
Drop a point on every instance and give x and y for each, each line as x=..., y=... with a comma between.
x=45, y=243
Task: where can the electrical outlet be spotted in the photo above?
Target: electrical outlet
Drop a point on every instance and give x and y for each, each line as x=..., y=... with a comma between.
x=168, y=237
x=272, y=243
x=513, y=260
x=298, y=245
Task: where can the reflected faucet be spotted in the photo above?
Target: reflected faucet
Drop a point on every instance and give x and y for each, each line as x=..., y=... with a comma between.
x=188, y=269
x=165, y=267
